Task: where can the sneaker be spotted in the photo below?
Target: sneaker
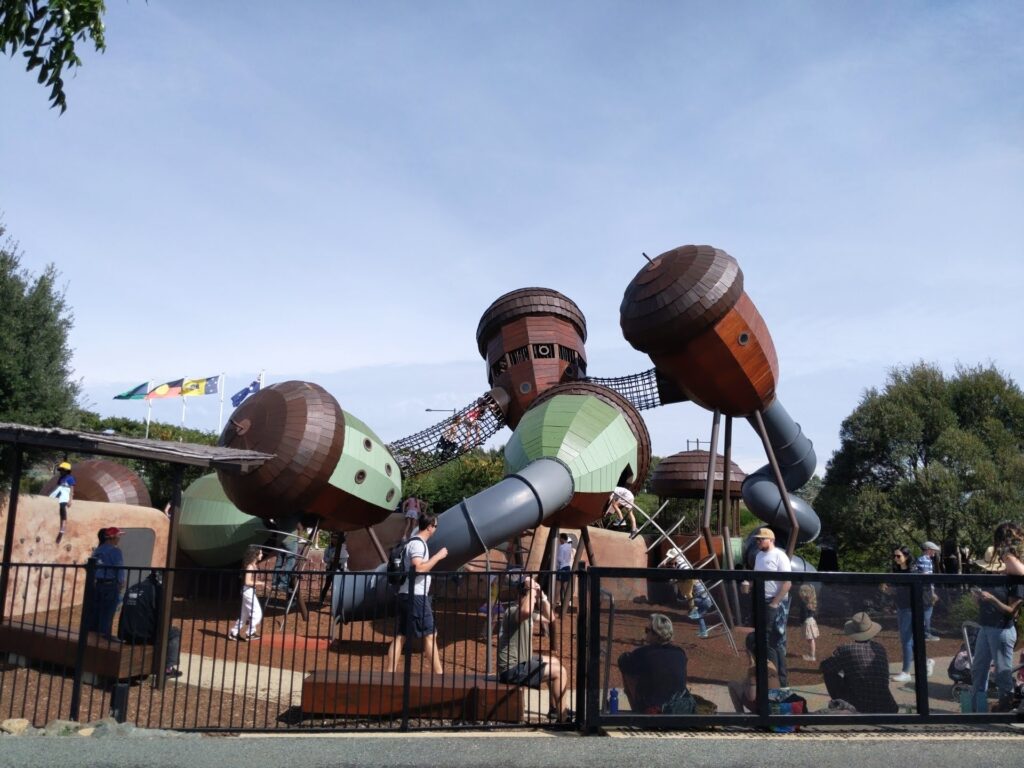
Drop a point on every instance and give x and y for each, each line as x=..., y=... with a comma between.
x=931, y=638
x=232, y=636
x=929, y=667
x=703, y=635
x=694, y=614
x=902, y=677
x=808, y=657
x=172, y=672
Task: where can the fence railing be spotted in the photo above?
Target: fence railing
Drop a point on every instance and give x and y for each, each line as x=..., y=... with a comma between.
x=304, y=670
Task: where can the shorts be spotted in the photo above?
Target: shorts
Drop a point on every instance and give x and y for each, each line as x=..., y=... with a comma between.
x=527, y=673
x=412, y=514
x=564, y=573
x=810, y=628
x=417, y=620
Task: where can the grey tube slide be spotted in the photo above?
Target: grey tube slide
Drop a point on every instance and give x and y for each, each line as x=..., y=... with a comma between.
x=520, y=501
x=795, y=454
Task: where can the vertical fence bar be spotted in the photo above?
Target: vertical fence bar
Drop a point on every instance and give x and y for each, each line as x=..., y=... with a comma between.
x=83, y=624
x=920, y=651
x=593, y=654
x=761, y=631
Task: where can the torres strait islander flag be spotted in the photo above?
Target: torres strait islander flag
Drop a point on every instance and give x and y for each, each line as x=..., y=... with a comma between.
x=170, y=389
x=207, y=386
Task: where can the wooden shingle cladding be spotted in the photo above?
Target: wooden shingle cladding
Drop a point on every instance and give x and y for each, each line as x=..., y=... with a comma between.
x=532, y=339
x=105, y=480
x=684, y=476
x=304, y=427
x=687, y=309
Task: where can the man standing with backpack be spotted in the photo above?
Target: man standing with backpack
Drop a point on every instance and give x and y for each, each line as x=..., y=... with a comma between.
x=415, y=617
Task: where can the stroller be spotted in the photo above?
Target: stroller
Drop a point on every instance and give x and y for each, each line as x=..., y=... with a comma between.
x=960, y=665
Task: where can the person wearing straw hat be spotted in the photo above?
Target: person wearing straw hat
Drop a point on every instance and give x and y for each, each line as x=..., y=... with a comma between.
x=858, y=672
x=997, y=607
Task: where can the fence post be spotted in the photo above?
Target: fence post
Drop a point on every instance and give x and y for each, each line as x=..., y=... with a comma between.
x=761, y=632
x=582, y=582
x=920, y=650
x=593, y=665
x=407, y=649
x=83, y=636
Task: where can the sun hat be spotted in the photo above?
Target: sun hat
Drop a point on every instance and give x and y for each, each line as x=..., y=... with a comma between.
x=765, y=533
x=930, y=545
x=861, y=627
x=989, y=562
x=661, y=626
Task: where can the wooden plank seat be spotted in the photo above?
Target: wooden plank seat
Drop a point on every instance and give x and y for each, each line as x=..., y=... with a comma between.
x=104, y=659
x=449, y=696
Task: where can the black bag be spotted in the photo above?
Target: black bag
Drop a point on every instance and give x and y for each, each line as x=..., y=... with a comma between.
x=397, y=572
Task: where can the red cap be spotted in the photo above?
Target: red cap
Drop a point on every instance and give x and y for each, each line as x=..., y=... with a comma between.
x=113, y=531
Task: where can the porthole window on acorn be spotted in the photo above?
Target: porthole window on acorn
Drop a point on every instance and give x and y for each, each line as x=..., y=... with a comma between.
x=525, y=387
x=360, y=476
x=387, y=469
x=367, y=444
x=744, y=338
x=391, y=495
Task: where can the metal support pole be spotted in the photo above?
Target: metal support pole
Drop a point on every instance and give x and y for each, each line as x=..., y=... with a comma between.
x=770, y=452
x=12, y=513
x=88, y=609
x=920, y=650
x=167, y=592
x=761, y=648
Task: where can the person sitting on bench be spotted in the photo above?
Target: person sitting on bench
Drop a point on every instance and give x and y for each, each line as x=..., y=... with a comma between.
x=139, y=620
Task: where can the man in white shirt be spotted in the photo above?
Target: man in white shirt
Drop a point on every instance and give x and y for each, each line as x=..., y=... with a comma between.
x=415, y=616
x=776, y=593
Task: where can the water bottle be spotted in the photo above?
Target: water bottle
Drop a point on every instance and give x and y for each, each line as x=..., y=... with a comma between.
x=613, y=701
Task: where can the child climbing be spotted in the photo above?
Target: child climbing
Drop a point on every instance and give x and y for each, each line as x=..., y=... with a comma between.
x=63, y=493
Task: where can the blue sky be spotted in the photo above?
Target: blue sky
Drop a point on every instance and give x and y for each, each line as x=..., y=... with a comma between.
x=336, y=191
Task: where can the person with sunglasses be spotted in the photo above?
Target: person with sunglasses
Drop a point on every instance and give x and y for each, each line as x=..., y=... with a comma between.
x=903, y=562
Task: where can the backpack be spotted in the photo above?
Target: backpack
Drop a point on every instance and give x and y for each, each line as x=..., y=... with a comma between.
x=397, y=572
x=681, y=703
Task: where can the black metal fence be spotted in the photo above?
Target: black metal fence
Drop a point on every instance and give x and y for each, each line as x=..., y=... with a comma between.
x=302, y=670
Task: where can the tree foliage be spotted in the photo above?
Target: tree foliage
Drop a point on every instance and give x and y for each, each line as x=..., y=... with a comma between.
x=35, y=359
x=446, y=486
x=928, y=457
x=45, y=31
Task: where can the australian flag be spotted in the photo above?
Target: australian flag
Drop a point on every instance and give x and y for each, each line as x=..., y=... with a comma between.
x=240, y=395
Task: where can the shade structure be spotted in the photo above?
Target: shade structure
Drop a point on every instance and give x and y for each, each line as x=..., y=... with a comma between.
x=684, y=475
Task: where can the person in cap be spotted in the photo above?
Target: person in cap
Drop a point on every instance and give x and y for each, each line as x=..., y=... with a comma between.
x=997, y=607
x=63, y=493
x=776, y=593
x=107, y=585
x=926, y=564
x=858, y=672
x=656, y=670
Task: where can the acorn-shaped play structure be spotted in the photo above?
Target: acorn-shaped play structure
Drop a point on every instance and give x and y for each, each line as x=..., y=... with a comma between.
x=688, y=310
x=327, y=462
x=104, y=480
x=532, y=339
x=213, y=532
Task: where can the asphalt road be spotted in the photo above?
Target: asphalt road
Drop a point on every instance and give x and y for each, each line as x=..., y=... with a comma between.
x=932, y=749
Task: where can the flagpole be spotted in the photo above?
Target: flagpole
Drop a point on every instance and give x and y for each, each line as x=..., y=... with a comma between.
x=220, y=415
x=149, y=405
x=263, y=371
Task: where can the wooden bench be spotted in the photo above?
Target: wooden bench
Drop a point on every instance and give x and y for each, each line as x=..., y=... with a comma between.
x=104, y=659
x=449, y=696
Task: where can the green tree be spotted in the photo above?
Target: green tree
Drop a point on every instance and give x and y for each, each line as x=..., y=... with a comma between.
x=446, y=486
x=927, y=457
x=45, y=31
x=35, y=360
